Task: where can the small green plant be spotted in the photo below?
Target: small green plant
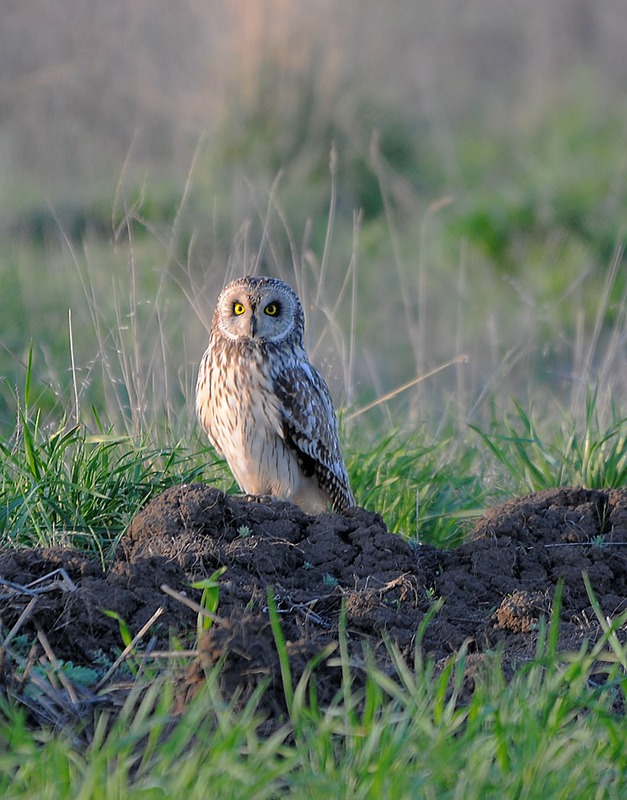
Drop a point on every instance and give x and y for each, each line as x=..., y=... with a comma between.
x=122, y=624
x=243, y=531
x=126, y=635
x=209, y=600
x=77, y=673
x=80, y=675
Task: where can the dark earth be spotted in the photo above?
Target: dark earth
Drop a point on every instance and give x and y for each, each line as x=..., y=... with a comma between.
x=494, y=590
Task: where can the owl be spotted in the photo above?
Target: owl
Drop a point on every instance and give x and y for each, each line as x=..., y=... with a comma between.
x=262, y=403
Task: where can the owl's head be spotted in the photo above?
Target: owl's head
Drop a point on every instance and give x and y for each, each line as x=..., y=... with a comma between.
x=258, y=309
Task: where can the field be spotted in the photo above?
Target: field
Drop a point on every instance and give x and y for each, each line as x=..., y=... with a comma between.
x=454, y=224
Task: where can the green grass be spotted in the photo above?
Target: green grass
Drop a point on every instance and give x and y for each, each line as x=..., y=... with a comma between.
x=65, y=487
x=425, y=490
x=587, y=455
x=547, y=733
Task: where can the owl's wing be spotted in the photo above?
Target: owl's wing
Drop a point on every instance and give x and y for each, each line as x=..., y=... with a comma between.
x=309, y=427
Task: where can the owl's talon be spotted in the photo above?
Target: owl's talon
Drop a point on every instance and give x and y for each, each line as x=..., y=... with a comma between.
x=258, y=498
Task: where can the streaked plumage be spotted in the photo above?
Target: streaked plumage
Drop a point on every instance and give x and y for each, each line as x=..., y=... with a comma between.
x=262, y=403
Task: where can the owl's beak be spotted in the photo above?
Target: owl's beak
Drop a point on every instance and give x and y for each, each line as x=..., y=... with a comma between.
x=253, y=326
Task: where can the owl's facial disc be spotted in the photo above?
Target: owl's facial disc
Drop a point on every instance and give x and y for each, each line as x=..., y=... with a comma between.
x=256, y=317
x=258, y=309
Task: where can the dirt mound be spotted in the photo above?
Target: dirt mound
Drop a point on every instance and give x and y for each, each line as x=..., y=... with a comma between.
x=495, y=588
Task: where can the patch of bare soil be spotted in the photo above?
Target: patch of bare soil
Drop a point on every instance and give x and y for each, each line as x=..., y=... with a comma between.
x=495, y=588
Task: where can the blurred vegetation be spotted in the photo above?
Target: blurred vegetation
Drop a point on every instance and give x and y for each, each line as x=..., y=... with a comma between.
x=434, y=182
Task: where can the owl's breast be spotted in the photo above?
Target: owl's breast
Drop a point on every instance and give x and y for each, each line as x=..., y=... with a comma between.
x=242, y=418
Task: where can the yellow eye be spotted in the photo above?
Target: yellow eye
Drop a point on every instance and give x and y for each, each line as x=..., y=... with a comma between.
x=271, y=309
x=238, y=309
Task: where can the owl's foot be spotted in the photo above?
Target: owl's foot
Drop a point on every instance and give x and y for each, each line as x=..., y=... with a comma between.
x=259, y=498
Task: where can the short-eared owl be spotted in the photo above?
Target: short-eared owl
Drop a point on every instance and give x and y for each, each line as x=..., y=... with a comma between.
x=263, y=405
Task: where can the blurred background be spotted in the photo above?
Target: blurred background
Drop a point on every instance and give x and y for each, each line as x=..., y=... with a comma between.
x=437, y=180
